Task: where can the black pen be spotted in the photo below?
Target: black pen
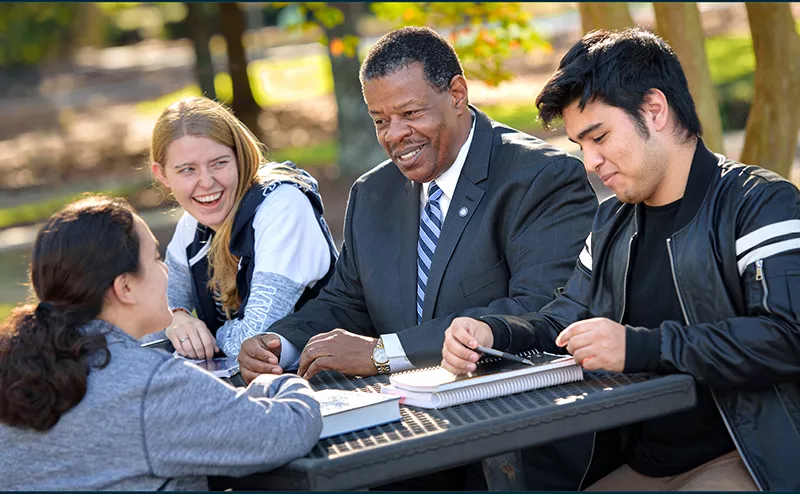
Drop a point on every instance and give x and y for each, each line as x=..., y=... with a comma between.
x=507, y=356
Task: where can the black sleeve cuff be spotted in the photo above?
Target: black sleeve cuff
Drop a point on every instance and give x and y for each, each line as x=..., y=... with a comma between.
x=500, y=331
x=642, y=349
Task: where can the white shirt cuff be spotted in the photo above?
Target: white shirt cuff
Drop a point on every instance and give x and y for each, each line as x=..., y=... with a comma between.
x=290, y=357
x=394, y=350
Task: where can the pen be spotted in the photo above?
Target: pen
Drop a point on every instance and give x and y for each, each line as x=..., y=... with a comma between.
x=507, y=356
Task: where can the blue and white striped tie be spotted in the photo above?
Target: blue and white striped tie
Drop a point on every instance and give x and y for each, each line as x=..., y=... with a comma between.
x=430, y=226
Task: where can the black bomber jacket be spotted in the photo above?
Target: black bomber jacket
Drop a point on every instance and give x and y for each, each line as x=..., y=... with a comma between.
x=735, y=258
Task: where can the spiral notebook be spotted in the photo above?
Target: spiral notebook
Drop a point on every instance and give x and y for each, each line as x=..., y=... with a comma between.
x=435, y=387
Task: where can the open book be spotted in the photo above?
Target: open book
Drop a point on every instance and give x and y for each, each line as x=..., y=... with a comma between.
x=346, y=411
x=435, y=387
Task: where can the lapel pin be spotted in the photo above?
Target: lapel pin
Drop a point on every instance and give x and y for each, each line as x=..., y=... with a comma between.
x=463, y=212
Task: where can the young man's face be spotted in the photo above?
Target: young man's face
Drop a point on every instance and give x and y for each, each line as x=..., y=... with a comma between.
x=615, y=149
x=416, y=124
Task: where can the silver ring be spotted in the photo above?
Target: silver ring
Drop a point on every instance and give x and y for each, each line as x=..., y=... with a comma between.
x=183, y=339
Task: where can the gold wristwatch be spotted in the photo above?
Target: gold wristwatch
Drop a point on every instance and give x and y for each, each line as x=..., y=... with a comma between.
x=379, y=358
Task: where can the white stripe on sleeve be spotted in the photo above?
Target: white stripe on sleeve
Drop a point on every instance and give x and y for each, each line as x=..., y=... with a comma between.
x=767, y=251
x=765, y=233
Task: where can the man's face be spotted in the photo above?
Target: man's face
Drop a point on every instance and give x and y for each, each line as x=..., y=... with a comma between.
x=614, y=149
x=416, y=124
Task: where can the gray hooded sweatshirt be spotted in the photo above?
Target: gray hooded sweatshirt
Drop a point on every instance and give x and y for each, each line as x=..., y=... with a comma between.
x=150, y=421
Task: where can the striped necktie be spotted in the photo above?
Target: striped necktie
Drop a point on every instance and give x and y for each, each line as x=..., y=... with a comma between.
x=430, y=226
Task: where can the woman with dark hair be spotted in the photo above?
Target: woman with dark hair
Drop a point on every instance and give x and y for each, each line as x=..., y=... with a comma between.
x=84, y=407
x=252, y=245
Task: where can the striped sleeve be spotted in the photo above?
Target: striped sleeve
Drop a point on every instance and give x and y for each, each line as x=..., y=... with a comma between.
x=767, y=241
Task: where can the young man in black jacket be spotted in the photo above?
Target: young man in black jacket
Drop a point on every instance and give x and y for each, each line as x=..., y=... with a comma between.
x=694, y=267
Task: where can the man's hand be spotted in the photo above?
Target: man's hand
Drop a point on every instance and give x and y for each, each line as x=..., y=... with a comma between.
x=463, y=335
x=260, y=355
x=338, y=350
x=597, y=343
x=190, y=336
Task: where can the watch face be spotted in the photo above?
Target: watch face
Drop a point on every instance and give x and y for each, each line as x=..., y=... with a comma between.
x=379, y=354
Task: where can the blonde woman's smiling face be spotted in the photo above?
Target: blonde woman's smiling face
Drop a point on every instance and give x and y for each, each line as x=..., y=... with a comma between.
x=203, y=176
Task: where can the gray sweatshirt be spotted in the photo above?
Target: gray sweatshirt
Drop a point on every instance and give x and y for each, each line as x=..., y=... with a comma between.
x=151, y=421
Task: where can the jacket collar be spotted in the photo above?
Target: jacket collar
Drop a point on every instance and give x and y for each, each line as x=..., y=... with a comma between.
x=701, y=175
x=476, y=168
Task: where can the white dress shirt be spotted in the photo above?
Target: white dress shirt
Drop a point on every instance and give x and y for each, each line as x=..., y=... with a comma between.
x=447, y=182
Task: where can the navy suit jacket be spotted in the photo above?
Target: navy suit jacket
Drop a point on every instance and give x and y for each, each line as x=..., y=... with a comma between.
x=519, y=217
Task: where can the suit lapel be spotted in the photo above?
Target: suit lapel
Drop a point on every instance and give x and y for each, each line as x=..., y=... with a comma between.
x=409, y=232
x=466, y=199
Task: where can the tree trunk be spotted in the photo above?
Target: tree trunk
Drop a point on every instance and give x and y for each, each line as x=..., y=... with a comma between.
x=244, y=104
x=358, y=147
x=613, y=16
x=679, y=24
x=774, y=120
x=197, y=27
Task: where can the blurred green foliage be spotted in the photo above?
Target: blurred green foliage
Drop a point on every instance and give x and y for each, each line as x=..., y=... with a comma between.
x=127, y=22
x=484, y=34
x=732, y=63
x=33, y=32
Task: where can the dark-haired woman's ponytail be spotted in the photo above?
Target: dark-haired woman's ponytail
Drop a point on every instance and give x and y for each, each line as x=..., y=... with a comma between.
x=44, y=361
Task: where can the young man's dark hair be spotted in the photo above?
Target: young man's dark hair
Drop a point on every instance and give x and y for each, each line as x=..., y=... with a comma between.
x=408, y=45
x=619, y=68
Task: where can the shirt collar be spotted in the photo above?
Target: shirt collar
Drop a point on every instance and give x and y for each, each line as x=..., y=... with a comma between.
x=447, y=181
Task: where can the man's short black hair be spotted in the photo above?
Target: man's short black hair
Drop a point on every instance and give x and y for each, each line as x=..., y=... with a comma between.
x=403, y=47
x=619, y=68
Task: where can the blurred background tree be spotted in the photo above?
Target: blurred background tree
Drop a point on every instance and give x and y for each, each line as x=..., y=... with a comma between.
x=35, y=32
x=199, y=28
x=774, y=119
x=243, y=104
x=604, y=15
x=679, y=24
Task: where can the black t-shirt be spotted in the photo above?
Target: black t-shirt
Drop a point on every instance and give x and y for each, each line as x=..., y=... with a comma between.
x=675, y=443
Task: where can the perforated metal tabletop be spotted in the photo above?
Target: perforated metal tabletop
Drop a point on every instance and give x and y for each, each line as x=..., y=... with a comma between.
x=430, y=440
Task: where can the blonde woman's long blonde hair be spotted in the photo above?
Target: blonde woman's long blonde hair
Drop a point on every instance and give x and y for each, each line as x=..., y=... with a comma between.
x=206, y=118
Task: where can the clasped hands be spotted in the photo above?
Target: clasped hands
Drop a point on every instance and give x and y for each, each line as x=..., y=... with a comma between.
x=337, y=350
x=597, y=343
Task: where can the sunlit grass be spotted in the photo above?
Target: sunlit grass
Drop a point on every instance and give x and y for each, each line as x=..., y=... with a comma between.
x=34, y=212
x=273, y=82
x=321, y=154
x=5, y=310
x=522, y=117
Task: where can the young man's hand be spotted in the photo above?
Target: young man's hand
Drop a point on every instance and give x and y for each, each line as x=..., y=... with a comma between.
x=597, y=343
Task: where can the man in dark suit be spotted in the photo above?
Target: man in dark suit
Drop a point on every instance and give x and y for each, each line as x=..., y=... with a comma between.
x=468, y=217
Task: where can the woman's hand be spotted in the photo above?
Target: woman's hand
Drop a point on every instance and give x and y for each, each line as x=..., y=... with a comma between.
x=190, y=336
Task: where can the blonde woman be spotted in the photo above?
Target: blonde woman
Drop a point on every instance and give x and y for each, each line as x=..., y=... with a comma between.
x=252, y=244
